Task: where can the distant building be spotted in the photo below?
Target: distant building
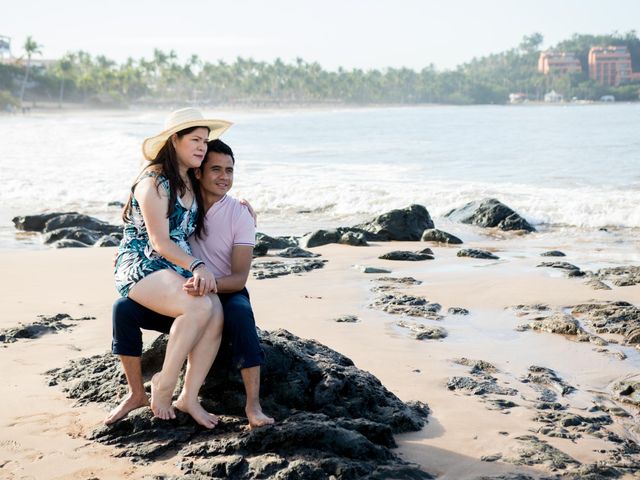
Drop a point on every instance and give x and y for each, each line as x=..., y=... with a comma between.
x=607, y=98
x=610, y=65
x=553, y=97
x=558, y=63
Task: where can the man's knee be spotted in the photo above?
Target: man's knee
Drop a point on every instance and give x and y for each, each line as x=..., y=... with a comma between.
x=127, y=337
x=238, y=313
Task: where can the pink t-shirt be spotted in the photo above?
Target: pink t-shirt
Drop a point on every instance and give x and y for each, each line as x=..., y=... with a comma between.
x=227, y=223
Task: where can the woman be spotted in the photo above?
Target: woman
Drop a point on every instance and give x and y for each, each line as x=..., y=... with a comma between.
x=154, y=259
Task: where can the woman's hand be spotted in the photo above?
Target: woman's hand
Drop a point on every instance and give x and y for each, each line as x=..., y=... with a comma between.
x=251, y=211
x=201, y=283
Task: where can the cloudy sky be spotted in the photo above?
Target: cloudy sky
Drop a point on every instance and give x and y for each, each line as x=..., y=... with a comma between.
x=347, y=33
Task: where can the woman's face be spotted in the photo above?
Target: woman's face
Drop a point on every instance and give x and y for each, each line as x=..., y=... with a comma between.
x=191, y=148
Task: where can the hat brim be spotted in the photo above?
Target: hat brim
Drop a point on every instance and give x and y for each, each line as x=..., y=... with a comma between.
x=152, y=145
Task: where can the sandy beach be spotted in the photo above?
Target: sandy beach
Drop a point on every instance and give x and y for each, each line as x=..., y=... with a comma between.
x=43, y=434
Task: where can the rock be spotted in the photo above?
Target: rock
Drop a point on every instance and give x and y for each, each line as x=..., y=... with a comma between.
x=297, y=252
x=80, y=234
x=44, y=325
x=553, y=253
x=365, y=269
x=490, y=212
x=534, y=451
x=107, y=241
x=620, y=276
x=36, y=223
x=597, y=284
x=435, y=235
x=79, y=220
x=116, y=203
x=67, y=243
x=477, y=366
x=457, y=311
x=354, y=239
x=333, y=419
x=420, y=331
x=399, y=304
x=347, y=319
x=260, y=249
x=627, y=391
x=406, y=224
x=405, y=256
x=618, y=318
x=399, y=281
x=561, y=323
x=491, y=458
x=476, y=253
x=320, y=237
x=273, y=269
x=480, y=385
x=570, y=269
x=276, y=243
x=547, y=383
x=426, y=251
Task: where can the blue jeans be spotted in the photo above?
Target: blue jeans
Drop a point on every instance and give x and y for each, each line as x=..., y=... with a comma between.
x=239, y=335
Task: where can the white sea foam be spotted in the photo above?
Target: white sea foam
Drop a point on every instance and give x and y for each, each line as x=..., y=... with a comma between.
x=577, y=167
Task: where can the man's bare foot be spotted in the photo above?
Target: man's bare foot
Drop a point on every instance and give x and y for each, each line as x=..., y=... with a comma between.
x=161, y=400
x=257, y=418
x=129, y=403
x=199, y=414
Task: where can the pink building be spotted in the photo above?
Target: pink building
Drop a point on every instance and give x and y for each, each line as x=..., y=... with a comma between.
x=610, y=65
x=558, y=62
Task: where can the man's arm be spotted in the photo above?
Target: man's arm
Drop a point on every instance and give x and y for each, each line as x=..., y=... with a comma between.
x=241, y=257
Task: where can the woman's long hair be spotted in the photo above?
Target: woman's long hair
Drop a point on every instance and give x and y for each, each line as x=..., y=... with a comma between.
x=167, y=160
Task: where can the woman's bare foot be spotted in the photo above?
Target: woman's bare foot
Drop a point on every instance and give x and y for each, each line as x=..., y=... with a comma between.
x=161, y=400
x=257, y=418
x=129, y=403
x=199, y=414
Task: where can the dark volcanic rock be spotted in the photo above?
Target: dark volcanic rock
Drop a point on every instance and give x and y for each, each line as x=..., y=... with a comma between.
x=620, y=318
x=561, y=424
x=420, y=331
x=332, y=419
x=36, y=223
x=476, y=253
x=490, y=212
x=273, y=269
x=80, y=234
x=552, y=253
x=276, y=243
x=405, y=256
x=260, y=249
x=406, y=224
x=400, y=304
x=620, y=276
x=107, y=241
x=321, y=237
x=561, y=323
x=477, y=366
x=534, y=451
x=480, y=384
x=570, y=269
x=297, y=252
x=54, y=324
x=353, y=239
x=435, y=235
x=547, y=383
x=68, y=243
x=79, y=220
x=347, y=319
x=457, y=311
x=627, y=391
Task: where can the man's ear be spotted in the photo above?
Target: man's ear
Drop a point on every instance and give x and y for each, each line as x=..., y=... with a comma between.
x=198, y=173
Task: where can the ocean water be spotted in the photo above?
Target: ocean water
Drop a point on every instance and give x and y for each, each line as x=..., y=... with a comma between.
x=569, y=168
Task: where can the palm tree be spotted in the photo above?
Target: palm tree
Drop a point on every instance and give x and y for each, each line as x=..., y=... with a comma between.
x=63, y=67
x=30, y=48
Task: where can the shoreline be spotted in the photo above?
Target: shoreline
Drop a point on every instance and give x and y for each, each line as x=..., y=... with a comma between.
x=461, y=428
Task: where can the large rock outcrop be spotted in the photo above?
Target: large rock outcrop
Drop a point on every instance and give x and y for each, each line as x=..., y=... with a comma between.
x=332, y=418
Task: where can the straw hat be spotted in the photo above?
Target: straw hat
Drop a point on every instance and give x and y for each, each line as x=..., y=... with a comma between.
x=180, y=120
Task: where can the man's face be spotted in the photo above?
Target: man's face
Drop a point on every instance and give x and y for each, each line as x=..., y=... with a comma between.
x=216, y=177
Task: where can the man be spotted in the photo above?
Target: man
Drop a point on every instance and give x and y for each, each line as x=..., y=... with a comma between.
x=226, y=247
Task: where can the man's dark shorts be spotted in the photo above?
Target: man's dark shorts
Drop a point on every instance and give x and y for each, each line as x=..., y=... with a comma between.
x=239, y=336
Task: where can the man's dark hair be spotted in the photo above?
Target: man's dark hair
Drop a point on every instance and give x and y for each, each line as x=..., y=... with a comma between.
x=218, y=146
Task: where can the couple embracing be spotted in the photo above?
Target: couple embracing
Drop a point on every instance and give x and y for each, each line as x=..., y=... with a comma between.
x=181, y=269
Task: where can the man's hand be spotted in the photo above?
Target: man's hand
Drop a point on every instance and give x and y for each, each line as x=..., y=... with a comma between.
x=190, y=287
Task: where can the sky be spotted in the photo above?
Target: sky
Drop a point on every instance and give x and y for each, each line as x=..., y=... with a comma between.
x=348, y=33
